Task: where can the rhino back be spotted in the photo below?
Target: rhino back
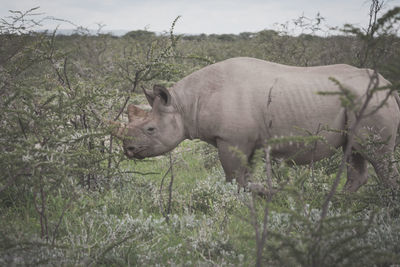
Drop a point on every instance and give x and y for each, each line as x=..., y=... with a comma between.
x=251, y=99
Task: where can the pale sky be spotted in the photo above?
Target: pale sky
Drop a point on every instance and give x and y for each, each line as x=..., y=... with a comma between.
x=198, y=16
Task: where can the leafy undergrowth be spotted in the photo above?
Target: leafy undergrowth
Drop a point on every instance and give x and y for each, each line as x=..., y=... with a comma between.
x=209, y=221
x=68, y=197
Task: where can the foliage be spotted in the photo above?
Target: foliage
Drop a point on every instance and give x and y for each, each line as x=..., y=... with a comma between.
x=140, y=34
x=73, y=198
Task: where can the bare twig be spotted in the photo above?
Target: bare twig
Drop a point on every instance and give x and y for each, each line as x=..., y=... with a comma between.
x=141, y=173
x=160, y=191
x=166, y=211
x=41, y=211
x=268, y=167
x=359, y=115
x=55, y=231
x=65, y=73
x=110, y=247
x=171, y=163
x=262, y=233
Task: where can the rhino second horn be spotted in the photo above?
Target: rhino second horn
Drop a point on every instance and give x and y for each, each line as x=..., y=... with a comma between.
x=134, y=112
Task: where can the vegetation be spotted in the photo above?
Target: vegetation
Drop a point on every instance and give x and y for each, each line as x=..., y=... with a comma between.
x=68, y=196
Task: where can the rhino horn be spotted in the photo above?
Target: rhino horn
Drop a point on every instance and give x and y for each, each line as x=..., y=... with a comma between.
x=117, y=129
x=135, y=112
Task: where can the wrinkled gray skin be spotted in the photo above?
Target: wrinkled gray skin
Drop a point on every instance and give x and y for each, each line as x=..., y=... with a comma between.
x=241, y=103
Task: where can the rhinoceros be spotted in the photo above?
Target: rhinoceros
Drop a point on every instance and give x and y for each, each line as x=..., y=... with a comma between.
x=243, y=104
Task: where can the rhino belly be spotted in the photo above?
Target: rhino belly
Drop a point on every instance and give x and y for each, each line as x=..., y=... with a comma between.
x=301, y=153
x=302, y=125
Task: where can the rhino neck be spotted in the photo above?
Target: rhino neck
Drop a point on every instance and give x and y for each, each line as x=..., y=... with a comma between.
x=187, y=106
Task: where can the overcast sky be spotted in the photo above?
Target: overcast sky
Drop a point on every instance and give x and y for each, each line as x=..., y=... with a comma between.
x=198, y=16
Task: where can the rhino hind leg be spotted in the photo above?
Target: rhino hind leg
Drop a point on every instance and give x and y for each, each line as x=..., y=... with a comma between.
x=381, y=156
x=356, y=172
x=385, y=168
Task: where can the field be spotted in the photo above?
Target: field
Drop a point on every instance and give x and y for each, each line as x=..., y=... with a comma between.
x=69, y=197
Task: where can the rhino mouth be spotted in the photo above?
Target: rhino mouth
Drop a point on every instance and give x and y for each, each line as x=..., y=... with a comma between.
x=134, y=153
x=133, y=156
x=137, y=157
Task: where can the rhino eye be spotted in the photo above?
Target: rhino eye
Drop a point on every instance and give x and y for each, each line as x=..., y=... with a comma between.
x=151, y=130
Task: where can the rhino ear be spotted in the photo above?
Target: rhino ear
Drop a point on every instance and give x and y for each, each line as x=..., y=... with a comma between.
x=135, y=112
x=163, y=93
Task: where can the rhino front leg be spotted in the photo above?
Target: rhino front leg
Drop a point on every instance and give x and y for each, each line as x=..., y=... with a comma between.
x=234, y=161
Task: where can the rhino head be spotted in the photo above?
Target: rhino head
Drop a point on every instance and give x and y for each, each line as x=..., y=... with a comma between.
x=155, y=132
